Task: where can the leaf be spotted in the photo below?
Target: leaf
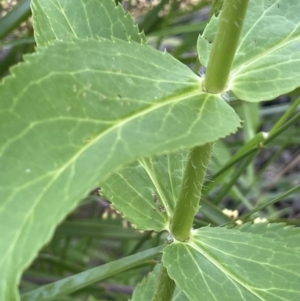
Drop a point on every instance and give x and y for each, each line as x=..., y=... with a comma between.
x=223, y=264
x=75, y=112
x=74, y=283
x=204, y=43
x=289, y=235
x=179, y=295
x=145, y=289
x=146, y=190
x=63, y=20
x=267, y=61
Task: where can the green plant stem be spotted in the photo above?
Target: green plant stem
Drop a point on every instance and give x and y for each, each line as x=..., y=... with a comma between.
x=218, y=69
x=223, y=172
x=165, y=287
x=188, y=202
x=227, y=186
x=224, y=45
x=282, y=128
x=285, y=116
x=253, y=146
x=249, y=133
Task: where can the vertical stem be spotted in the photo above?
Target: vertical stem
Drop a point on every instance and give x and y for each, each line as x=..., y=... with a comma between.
x=224, y=46
x=165, y=287
x=249, y=131
x=223, y=51
x=188, y=202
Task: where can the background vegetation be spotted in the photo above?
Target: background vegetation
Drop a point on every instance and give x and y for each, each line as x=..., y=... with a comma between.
x=95, y=233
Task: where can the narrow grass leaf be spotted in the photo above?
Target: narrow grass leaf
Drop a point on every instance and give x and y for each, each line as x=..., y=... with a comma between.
x=73, y=283
x=14, y=18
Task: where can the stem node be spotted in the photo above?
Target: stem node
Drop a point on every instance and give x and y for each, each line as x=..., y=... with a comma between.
x=224, y=45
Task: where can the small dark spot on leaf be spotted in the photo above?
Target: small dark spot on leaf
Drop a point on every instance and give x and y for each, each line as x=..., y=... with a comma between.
x=161, y=208
x=155, y=198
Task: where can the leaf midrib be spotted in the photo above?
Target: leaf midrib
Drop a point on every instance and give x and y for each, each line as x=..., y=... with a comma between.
x=137, y=192
x=151, y=173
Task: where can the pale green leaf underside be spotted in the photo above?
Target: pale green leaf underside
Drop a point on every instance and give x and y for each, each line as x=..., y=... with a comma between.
x=65, y=19
x=145, y=289
x=146, y=190
x=222, y=264
x=267, y=61
x=75, y=112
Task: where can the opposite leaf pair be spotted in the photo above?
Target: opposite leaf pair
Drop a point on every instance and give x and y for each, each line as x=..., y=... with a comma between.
x=92, y=102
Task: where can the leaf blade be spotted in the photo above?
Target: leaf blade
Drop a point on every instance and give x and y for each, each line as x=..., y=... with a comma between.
x=146, y=191
x=226, y=266
x=145, y=289
x=64, y=20
x=66, y=129
x=289, y=235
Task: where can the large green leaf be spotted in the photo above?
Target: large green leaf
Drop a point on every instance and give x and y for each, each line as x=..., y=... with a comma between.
x=267, y=61
x=145, y=289
x=223, y=264
x=65, y=19
x=146, y=190
x=75, y=112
